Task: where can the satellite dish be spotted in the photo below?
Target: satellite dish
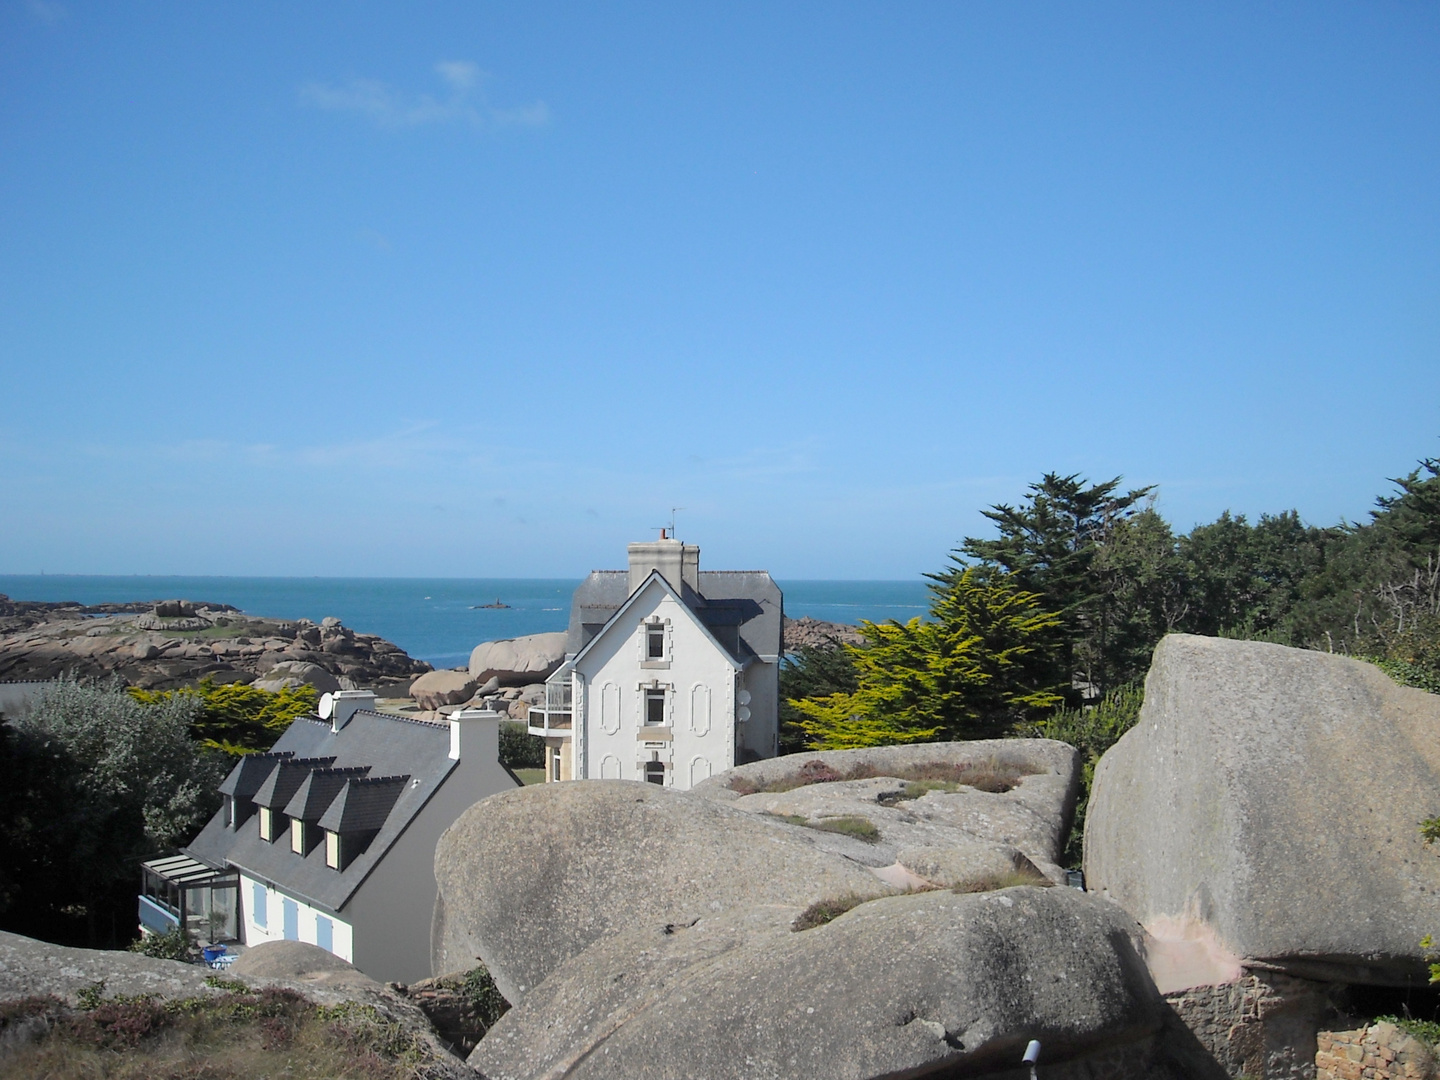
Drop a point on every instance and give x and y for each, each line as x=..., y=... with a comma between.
x=326, y=706
x=742, y=714
x=743, y=697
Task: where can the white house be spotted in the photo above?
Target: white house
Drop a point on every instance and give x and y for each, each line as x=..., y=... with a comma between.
x=671, y=674
x=330, y=837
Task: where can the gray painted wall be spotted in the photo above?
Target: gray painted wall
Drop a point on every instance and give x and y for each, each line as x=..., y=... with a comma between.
x=391, y=911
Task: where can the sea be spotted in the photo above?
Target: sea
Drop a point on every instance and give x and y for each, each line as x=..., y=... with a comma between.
x=438, y=619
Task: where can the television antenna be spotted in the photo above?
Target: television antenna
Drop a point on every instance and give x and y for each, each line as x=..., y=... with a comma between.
x=670, y=529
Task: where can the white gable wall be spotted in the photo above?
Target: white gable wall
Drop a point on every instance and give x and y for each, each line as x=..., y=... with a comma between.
x=699, y=677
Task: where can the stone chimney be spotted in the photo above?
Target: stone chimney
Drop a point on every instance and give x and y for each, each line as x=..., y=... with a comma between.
x=346, y=703
x=678, y=563
x=475, y=735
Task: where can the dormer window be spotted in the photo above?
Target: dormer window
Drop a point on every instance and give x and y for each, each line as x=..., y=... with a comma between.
x=267, y=824
x=332, y=849
x=301, y=836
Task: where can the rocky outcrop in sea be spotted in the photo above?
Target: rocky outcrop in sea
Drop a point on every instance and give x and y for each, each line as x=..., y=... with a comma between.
x=171, y=643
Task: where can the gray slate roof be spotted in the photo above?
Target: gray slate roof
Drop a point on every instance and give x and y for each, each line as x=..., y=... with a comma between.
x=390, y=745
x=319, y=790
x=286, y=776
x=742, y=608
x=363, y=804
x=249, y=773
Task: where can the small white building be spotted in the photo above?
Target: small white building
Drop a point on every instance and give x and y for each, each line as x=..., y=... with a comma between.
x=671, y=674
x=330, y=837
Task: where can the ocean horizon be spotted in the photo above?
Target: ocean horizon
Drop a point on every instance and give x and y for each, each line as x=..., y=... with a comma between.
x=438, y=620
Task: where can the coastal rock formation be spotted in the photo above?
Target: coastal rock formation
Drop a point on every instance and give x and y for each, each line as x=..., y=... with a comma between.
x=297, y=673
x=30, y=968
x=953, y=814
x=517, y=661
x=529, y=878
x=798, y=633
x=155, y=646
x=436, y=688
x=905, y=985
x=1265, y=808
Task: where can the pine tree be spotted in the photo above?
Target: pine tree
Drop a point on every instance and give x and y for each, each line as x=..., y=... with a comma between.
x=975, y=669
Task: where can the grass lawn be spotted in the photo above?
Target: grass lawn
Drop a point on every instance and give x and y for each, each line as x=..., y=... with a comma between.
x=530, y=776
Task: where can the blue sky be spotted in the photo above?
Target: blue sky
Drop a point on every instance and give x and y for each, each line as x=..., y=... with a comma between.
x=483, y=290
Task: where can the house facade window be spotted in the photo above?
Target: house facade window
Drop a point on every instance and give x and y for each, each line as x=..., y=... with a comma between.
x=655, y=641
x=332, y=849
x=267, y=824
x=654, y=707
x=655, y=772
x=555, y=763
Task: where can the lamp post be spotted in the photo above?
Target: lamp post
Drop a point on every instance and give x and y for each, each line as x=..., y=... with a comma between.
x=1032, y=1055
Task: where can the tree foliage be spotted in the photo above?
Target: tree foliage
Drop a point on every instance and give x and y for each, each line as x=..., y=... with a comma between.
x=1117, y=578
x=95, y=782
x=812, y=671
x=234, y=717
x=976, y=667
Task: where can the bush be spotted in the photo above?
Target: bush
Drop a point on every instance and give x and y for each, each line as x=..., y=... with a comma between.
x=1092, y=730
x=93, y=782
x=518, y=748
x=823, y=911
x=172, y=945
x=480, y=991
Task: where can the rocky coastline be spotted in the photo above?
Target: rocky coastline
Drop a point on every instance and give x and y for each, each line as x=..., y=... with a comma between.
x=160, y=645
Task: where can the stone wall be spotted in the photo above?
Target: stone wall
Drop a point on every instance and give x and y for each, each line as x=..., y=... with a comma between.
x=1262, y=1026
x=1378, y=1052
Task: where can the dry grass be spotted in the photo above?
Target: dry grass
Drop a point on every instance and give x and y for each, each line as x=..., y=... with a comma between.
x=823, y=911
x=988, y=776
x=858, y=827
x=237, y=1034
x=1007, y=880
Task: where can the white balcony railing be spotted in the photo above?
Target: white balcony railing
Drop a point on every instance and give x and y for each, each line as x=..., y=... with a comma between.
x=555, y=715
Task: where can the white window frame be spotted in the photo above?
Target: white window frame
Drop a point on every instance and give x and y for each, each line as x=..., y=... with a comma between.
x=660, y=694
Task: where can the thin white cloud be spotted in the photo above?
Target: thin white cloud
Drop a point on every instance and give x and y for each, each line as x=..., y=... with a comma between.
x=460, y=74
x=48, y=11
x=389, y=107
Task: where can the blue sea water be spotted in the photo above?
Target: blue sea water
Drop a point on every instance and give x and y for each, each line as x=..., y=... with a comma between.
x=437, y=619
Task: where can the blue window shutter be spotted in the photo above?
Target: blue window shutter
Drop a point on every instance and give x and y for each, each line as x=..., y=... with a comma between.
x=324, y=933
x=261, y=917
x=290, y=913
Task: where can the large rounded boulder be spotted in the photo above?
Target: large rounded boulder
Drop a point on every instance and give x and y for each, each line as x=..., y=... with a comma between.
x=443, y=687
x=529, y=878
x=518, y=661
x=951, y=814
x=1265, y=807
x=920, y=984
